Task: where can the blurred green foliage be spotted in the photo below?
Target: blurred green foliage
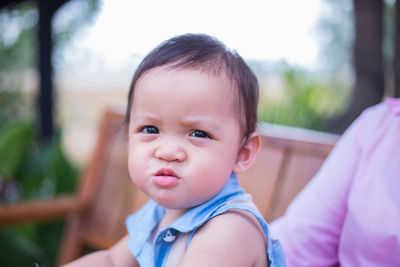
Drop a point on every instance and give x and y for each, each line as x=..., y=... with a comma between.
x=13, y=106
x=17, y=38
x=29, y=170
x=70, y=19
x=335, y=33
x=28, y=244
x=303, y=100
x=17, y=54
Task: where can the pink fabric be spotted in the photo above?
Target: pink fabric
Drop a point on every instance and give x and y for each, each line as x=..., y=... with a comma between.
x=349, y=214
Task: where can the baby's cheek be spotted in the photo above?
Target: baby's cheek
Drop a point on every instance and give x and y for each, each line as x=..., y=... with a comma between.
x=136, y=178
x=131, y=164
x=131, y=170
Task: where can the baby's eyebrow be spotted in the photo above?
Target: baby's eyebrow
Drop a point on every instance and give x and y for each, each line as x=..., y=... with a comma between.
x=201, y=121
x=144, y=117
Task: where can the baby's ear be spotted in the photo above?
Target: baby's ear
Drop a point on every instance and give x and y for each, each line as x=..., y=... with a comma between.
x=248, y=153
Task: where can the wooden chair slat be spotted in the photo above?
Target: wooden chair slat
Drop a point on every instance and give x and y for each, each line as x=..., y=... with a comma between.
x=40, y=210
x=297, y=172
x=259, y=184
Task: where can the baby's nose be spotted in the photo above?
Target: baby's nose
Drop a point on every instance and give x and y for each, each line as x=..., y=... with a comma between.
x=170, y=153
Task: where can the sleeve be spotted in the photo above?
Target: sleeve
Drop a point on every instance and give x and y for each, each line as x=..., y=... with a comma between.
x=310, y=229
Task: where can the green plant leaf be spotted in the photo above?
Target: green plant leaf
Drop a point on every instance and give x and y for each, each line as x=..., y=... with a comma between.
x=16, y=138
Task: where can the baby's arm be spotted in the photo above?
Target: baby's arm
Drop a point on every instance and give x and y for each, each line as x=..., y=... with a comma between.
x=232, y=239
x=118, y=255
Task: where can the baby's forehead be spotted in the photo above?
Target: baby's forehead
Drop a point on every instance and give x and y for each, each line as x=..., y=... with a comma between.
x=218, y=80
x=222, y=78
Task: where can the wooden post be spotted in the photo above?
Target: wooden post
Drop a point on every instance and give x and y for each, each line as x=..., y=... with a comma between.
x=45, y=101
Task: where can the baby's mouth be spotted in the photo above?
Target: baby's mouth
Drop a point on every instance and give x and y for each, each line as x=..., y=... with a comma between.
x=166, y=172
x=165, y=178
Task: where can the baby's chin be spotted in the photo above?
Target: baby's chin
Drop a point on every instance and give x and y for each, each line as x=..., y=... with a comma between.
x=177, y=206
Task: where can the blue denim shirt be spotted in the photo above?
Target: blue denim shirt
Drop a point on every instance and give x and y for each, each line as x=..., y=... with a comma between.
x=152, y=249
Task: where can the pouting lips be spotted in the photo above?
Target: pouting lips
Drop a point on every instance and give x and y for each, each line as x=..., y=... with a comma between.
x=165, y=178
x=166, y=172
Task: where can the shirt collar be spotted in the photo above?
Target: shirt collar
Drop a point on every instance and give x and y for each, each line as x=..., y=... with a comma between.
x=196, y=216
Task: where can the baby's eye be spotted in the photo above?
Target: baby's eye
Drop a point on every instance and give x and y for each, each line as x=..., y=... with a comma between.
x=149, y=129
x=200, y=134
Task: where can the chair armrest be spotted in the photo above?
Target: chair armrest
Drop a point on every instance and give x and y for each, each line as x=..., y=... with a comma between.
x=40, y=210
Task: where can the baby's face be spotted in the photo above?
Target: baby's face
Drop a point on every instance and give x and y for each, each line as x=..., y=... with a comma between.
x=184, y=136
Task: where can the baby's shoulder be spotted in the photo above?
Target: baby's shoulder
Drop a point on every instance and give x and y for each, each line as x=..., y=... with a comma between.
x=233, y=238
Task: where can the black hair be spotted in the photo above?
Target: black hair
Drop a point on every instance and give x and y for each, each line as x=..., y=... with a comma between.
x=210, y=55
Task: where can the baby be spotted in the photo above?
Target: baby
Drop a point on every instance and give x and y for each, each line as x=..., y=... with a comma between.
x=192, y=113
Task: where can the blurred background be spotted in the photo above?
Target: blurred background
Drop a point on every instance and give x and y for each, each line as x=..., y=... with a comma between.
x=63, y=63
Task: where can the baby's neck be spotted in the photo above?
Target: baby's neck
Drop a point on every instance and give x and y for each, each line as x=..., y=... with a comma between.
x=169, y=217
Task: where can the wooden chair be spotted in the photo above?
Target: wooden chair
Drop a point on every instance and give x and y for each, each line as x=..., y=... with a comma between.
x=288, y=159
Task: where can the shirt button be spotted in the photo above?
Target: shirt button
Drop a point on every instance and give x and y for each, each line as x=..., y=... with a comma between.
x=169, y=236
